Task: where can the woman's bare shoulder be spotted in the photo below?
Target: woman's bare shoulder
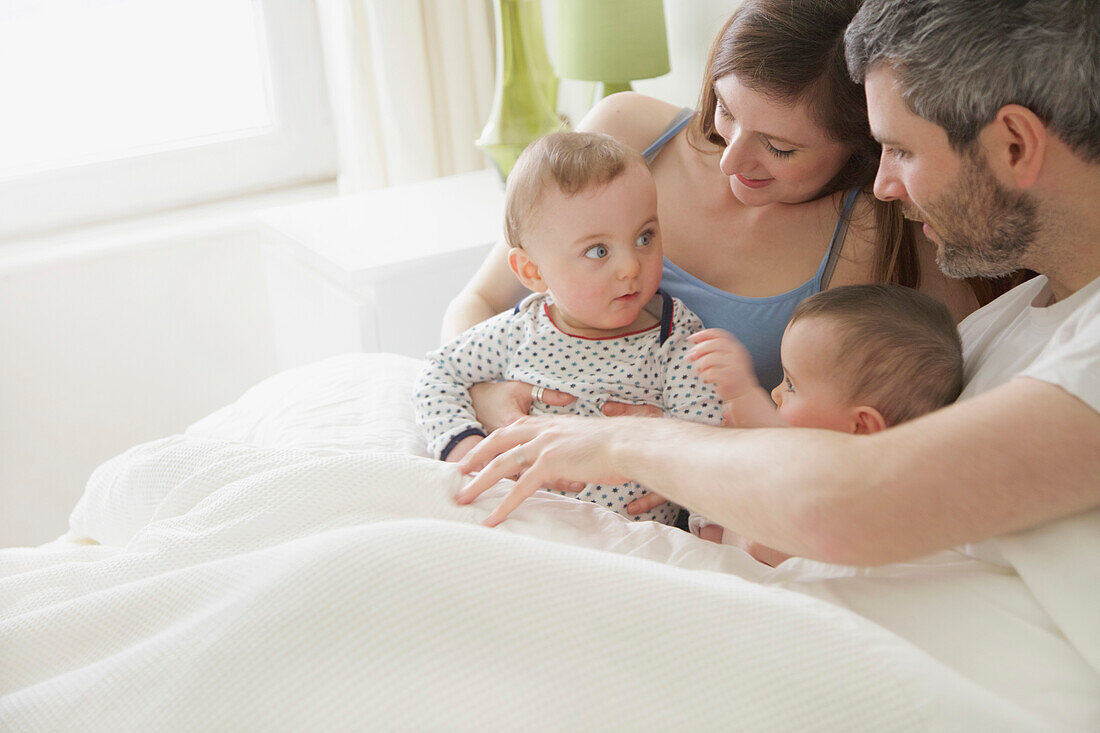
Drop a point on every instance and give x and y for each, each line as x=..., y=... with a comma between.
x=955, y=293
x=633, y=118
x=860, y=248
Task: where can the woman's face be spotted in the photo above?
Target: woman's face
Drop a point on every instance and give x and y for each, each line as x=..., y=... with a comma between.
x=775, y=153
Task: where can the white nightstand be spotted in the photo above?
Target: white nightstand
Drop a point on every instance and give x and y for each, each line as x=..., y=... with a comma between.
x=375, y=271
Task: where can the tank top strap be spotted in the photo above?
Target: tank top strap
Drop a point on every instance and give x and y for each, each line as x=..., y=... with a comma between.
x=828, y=265
x=678, y=122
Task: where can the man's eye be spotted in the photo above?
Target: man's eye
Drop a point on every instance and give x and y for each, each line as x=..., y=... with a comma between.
x=596, y=252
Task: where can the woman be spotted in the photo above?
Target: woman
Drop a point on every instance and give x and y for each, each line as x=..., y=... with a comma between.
x=764, y=194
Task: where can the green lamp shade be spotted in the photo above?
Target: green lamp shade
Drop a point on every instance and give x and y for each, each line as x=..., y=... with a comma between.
x=611, y=40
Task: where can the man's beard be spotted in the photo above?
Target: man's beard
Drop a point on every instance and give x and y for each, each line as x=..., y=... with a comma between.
x=984, y=230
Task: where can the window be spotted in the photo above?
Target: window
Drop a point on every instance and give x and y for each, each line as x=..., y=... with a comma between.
x=122, y=107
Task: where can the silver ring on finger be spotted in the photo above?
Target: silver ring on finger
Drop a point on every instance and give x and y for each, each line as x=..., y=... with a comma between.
x=536, y=392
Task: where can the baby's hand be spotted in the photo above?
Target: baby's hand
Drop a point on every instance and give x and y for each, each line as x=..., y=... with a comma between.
x=711, y=533
x=721, y=360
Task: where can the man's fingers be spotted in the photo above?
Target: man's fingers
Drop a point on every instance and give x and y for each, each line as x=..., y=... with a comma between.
x=500, y=467
x=564, y=484
x=519, y=493
x=477, y=486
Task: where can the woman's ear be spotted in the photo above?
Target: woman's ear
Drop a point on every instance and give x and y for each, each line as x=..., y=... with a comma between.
x=1016, y=140
x=526, y=269
x=867, y=420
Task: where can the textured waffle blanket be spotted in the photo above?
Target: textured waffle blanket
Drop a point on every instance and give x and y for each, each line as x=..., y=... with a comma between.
x=292, y=563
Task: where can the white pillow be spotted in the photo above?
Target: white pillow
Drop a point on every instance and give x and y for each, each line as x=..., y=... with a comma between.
x=344, y=404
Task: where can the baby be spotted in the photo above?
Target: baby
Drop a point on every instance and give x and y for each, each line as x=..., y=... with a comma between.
x=857, y=359
x=581, y=221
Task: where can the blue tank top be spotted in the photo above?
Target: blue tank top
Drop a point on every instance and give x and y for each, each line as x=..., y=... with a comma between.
x=758, y=323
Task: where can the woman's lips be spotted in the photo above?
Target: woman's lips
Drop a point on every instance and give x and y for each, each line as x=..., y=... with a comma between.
x=753, y=182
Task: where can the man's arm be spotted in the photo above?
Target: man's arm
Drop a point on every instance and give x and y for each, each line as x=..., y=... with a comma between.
x=1012, y=458
x=1009, y=459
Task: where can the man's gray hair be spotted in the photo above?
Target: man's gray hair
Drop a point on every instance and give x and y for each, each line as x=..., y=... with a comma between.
x=959, y=61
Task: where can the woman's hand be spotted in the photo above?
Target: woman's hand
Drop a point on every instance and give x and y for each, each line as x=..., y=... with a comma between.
x=498, y=404
x=543, y=451
x=622, y=409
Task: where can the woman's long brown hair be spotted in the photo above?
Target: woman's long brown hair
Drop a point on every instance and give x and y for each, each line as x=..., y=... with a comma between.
x=792, y=51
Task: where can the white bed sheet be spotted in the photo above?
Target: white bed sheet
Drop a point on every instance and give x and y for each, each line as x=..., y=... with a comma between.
x=293, y=561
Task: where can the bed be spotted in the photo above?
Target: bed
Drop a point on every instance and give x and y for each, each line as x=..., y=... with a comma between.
x=294, y=561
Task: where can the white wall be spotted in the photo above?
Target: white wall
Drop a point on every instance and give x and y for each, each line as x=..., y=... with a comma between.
x=103, y=350
x=105, y=347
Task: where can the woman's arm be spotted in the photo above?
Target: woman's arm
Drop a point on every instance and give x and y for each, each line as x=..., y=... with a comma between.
x=493, y=289
x=1017, y=456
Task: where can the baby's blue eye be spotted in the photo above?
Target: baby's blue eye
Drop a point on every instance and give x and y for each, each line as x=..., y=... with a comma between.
x=596, y=252
x=644, y=239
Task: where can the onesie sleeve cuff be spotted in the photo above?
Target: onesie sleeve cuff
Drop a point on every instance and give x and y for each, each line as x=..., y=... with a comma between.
x=696, y=522
x=456, y=439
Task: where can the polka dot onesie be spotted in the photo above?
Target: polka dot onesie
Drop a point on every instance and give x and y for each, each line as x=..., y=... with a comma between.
x=525, y=345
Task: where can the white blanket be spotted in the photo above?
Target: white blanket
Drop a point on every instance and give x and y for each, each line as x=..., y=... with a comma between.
x=290, y=563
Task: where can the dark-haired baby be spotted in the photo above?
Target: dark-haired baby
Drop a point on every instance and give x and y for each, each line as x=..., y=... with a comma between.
x=856, y=359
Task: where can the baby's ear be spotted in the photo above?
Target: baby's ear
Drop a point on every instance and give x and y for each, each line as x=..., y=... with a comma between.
x=526, y=269
x=867, y=420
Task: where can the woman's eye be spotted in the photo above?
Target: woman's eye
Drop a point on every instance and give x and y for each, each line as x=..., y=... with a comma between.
x=596, y=252
x=644, y=239
x=720, y=109
x=779, y=152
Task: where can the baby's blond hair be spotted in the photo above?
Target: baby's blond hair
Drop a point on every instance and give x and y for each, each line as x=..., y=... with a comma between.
x=571, y=161
x=898, y=350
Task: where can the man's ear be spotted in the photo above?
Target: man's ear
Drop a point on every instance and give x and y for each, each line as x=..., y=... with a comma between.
x=1016, y=142
x=526, y=269
x=867, y=420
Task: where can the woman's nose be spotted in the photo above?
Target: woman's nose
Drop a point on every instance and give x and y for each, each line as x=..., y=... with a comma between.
x=730, y=160
x=733, y=156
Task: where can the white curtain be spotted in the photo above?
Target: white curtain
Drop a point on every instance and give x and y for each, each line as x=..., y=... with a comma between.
x=411, y=84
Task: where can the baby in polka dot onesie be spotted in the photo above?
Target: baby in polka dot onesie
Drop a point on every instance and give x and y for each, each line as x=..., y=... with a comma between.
x=581, y=220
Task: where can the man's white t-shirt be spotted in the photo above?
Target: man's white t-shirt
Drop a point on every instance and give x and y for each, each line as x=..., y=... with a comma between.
x=1023, y=334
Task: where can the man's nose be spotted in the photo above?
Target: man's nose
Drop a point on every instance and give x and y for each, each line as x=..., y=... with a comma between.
x=888, y=186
